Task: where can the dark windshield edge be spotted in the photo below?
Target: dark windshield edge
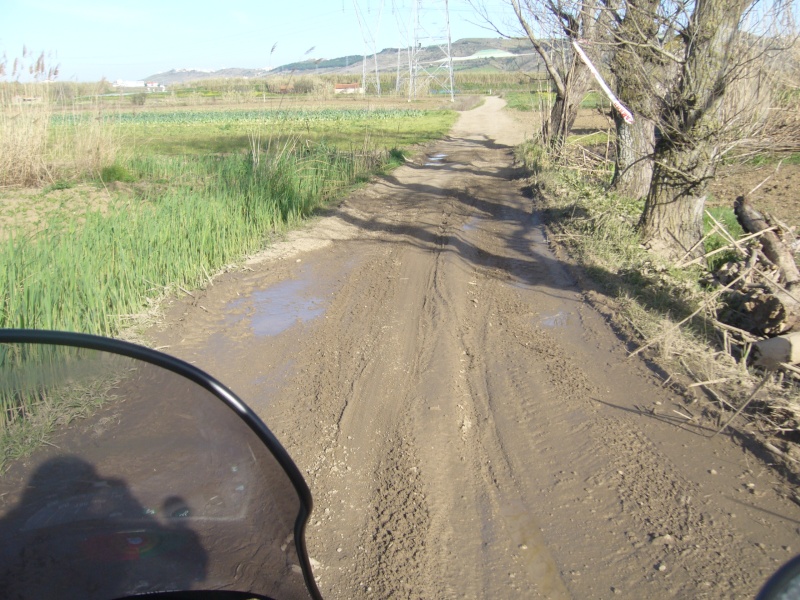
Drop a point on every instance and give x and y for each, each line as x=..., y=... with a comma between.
x=200, y=595
x=203, y=379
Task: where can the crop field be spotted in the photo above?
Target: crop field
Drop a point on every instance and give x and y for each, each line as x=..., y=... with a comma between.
x=214, y=131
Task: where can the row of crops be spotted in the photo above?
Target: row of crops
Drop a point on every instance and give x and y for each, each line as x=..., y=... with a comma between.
x=210, y=117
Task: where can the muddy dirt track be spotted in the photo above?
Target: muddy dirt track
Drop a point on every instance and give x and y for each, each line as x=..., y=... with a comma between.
x=469, y=426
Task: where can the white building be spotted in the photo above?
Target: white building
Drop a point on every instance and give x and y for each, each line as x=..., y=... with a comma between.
x=150, y=86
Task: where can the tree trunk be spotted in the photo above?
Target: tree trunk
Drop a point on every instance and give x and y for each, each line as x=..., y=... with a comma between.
x=556, y=128
x=637, y=68
x=633, y=168
x=775, y=249
x=672, y=221
x=565, y=108
x=688, y=151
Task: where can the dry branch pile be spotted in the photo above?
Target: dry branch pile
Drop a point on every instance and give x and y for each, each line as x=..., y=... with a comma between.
x=755, y=311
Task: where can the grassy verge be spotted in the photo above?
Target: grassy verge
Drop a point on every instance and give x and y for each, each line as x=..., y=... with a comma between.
x=93, y=271
x=670, y=314
x=161, y=220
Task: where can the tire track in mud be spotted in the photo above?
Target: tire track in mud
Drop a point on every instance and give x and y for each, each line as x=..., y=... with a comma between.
x=487, y=527
x=592, y=468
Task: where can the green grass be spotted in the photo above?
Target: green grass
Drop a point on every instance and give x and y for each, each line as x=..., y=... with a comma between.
x=529, y=101
x=204, y=131
x=536, y=100
x=88, y=272
x=591, y=139
x=727, y=217
x=58, y=185
x=116, y=172
x=772, y=159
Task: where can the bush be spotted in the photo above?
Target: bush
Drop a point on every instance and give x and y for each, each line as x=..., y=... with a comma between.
x=116, y=172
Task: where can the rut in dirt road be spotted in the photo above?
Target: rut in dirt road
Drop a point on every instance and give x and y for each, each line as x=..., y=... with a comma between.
x=468, y=425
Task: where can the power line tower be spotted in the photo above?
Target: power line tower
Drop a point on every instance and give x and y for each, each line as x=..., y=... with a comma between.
x=429, y=58
x=370, y=37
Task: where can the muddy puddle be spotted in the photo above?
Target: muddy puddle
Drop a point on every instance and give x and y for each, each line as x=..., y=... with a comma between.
x=436, y=160
x=472, y=224
x=273, y=310
x=557, y=320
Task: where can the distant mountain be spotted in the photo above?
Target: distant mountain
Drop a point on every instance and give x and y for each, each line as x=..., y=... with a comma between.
x=174, y=76
x=494, y=54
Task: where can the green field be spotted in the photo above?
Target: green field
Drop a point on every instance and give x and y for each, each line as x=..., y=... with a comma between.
x=543, y=100
x=229, y=130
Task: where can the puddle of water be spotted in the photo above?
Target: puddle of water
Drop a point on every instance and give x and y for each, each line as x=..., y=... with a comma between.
x=282, y=305
x=557, y=320
x=435, y=160
x=472, y=224
x=277, y=308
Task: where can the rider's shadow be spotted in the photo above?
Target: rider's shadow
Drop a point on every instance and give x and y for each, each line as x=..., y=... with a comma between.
x=75, y=534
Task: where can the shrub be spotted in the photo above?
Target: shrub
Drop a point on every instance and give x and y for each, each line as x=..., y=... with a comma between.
x=116, y=172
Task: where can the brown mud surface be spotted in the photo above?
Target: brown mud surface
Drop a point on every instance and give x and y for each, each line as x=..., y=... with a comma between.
x=775, y=185
x=469, y=426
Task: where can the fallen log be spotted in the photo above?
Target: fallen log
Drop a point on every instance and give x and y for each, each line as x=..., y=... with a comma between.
x=778, y=252
x=778, y=311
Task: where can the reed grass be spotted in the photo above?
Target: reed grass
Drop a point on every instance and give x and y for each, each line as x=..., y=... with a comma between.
x=92, y=271
x=33, y=151
x=98, y=271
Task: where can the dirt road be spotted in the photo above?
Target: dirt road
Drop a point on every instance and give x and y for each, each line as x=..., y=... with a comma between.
x=469, y=426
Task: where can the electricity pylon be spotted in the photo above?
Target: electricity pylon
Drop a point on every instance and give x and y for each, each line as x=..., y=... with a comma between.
x=370, y=37
x=430, y=60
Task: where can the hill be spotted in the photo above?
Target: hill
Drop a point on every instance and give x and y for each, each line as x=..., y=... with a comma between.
x=469, y=54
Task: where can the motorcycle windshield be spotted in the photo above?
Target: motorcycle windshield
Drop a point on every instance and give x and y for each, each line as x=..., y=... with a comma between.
x=162, y=487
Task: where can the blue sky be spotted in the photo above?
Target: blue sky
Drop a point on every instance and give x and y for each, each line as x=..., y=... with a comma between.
x=131, y=39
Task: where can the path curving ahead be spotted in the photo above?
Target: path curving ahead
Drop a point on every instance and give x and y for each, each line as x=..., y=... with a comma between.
x=468, y=425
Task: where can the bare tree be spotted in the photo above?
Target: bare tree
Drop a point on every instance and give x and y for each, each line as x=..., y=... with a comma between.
x=636, y=58
x=721, y=50
x=551, y=26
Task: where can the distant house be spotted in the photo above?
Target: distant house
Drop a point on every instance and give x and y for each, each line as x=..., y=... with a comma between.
x=348, y=88
x=150, y=86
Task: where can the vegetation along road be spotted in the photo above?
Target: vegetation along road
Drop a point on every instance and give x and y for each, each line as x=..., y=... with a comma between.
x=469, y=426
